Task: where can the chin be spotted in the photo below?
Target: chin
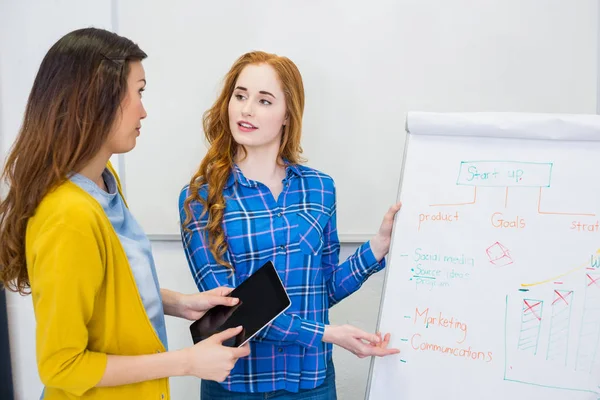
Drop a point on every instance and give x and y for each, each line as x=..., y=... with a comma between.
x=131, y=147
x=243, y=140
x=247, y=140
x=126, y=147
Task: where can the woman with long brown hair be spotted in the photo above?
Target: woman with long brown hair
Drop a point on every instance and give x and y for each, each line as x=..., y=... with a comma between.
x=69, y=239
x=252, y=201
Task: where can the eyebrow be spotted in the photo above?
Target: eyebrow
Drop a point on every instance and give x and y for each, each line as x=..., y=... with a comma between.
x=261, y=92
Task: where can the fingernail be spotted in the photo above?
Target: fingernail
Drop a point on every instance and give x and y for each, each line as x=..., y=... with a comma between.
x=235, y=301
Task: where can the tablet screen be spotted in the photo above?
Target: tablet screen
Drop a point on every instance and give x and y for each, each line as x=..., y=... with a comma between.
x=262, y=299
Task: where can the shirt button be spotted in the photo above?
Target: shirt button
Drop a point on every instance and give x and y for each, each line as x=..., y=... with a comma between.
x=279, y=214
x=280, y=350
x=162, y=395
x=282, y=247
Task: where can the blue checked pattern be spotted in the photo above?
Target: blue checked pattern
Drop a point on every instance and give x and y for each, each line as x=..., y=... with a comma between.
x=298, y=233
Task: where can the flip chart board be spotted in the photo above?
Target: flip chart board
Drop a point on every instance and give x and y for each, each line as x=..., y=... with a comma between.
x=493, y=283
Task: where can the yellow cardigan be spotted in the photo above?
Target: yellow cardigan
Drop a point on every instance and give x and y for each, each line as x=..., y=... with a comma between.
x=85, y=299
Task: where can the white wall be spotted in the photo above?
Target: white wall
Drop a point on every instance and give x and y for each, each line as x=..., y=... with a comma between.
x=364, y=65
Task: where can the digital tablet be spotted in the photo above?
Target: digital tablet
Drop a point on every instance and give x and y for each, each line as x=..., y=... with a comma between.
x=262, y=298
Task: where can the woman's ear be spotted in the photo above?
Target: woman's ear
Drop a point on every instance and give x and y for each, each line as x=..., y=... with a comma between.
x=285, y=121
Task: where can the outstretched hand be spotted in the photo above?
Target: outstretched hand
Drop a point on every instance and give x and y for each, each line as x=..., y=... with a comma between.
x=359, y=342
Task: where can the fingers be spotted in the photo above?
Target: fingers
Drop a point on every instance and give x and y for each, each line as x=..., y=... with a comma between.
x=242, y=351
x=383, y=342
x=364, y=350
x=222, y=301
x=221, y=291
x=393, y=210
x=380, y=351
x=226, y=334
x=369, y=337
x=386, y=341
x=380, y=340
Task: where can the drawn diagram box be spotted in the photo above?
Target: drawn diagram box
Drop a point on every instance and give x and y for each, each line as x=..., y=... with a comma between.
x=504, y=174
x=499, y=255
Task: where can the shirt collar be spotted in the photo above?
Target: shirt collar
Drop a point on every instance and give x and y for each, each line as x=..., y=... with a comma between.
x=237, y=175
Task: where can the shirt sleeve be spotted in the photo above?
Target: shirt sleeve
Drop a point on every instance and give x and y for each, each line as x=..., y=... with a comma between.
x=208, y=274
x=66, y=272
x=346, y=278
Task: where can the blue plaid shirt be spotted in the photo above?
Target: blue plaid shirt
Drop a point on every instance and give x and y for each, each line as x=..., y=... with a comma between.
x=298, y=233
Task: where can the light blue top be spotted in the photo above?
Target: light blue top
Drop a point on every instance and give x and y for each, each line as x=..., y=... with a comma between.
x=135, y=243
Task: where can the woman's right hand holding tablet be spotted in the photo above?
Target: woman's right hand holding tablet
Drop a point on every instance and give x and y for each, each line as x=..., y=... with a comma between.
x=211, y=360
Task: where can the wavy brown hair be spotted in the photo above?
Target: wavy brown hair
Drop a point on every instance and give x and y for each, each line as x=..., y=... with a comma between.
x=219, y=160
x=71, y=109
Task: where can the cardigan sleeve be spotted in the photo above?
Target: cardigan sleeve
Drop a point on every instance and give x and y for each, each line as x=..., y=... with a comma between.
x=67, y=272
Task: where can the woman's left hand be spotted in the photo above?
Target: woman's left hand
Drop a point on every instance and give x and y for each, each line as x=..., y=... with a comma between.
x=194, y=306
x=380, y=244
